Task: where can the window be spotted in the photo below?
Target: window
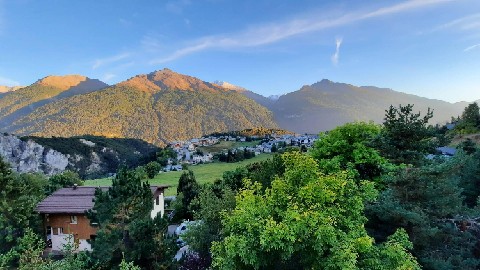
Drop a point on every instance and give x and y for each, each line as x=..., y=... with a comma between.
x=157, y=200
x=73, y=219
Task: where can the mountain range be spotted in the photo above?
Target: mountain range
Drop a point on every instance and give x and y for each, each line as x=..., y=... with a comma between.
x=164, y=106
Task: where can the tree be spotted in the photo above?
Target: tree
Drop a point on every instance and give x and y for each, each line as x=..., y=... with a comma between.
x=30, y=248
x=469, y=175
x=122, y=215
x=165, y=154
x=427, y=203
x=65, y=179
x=470, y=120
x=348, y=148
x=405, y=137
x=188, y=188
x=19, y=195
x=274, y=148
x=210, y=206
x=152, y=168
x=306, y=220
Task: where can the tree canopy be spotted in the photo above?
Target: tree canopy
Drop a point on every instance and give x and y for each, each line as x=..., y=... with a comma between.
x=305, y=220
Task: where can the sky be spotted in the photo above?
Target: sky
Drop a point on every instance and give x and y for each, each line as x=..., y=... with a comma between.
x=429, y=48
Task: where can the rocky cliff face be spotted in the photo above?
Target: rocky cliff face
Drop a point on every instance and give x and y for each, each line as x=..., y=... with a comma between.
x=30, y=157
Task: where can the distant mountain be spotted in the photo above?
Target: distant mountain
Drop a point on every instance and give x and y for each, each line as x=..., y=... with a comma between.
x=157, y=107
x=5, y=89
x=164, y=106
x=19, y=103
x=267, y=102
x=326, y=104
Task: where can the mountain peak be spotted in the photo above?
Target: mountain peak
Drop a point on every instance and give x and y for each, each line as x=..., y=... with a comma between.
x=168, y=79
x=229, y=86
x=62, y=82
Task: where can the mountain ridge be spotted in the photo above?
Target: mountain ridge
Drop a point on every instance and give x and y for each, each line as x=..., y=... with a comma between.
x=157, y=107
x=164, y=105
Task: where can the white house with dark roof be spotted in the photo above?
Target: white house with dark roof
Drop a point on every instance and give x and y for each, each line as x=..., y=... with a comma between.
x=64, y=218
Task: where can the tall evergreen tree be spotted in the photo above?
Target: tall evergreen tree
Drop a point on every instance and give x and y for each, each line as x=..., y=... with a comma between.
x=122, y=215
x=470, y=120
x=188, y=188
x=405, y=137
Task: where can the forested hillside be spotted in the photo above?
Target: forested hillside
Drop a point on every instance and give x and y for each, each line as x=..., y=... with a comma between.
x=18, y=103
x=159, y=107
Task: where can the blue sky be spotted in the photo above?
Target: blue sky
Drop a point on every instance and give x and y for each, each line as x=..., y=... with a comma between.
x=429, y=48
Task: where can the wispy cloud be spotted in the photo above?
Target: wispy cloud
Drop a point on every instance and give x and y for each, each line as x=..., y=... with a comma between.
x=405, y=6
x=472, y=47
x=470, y=22
x=177, y=6
x=8, y=82
x=336, y=55
x=109, y=60
x=108, y=76
x=271, y=33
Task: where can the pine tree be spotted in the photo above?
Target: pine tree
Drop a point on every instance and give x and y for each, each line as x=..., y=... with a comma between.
x=122, y=215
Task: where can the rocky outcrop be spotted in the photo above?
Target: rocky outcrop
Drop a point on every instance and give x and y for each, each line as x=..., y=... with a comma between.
x=30, y=157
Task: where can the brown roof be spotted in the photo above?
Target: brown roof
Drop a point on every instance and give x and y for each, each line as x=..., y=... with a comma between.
x=74, y=200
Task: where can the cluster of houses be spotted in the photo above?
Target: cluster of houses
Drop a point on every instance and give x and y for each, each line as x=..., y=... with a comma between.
x=187, y=152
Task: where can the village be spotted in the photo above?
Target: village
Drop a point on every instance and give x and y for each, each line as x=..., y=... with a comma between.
x=189, y=152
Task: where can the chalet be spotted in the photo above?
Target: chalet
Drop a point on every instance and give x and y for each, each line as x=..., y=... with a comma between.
x=64, y=218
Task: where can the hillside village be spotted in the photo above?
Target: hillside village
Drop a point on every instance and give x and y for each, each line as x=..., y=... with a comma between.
x=188, y=151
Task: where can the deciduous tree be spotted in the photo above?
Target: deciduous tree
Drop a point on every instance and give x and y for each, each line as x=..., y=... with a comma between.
x=306, y=220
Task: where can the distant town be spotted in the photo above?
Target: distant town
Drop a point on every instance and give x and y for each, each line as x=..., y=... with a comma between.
x=188, y=152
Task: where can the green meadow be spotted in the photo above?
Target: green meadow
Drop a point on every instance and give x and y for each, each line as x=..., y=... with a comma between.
x=204, y=173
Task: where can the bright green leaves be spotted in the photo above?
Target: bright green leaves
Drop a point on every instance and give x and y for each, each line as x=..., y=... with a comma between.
x=348, y=148
x=305, y=220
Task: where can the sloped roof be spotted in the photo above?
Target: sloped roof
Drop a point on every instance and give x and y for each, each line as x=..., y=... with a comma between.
x=74, y=200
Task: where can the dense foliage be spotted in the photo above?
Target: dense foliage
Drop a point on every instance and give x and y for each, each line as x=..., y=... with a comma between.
x=348, y=147
x=19, y=195
x=305, y=220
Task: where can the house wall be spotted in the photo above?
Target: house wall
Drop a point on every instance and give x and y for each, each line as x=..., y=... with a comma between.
x=160, y=207
x=62, y=223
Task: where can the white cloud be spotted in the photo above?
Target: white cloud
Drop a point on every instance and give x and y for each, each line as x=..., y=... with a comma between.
x=472, y=47
x=8, y=82
x=336, y=55
x=106, y=61
x=267, y=34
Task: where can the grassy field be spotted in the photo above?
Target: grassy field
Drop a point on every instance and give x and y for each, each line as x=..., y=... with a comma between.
x=224, y=145
x=204, y=173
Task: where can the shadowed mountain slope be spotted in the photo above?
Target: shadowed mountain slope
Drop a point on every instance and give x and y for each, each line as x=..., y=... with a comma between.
x=325, y=105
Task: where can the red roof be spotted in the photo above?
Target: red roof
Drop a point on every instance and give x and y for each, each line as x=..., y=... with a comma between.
x=74, y=200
